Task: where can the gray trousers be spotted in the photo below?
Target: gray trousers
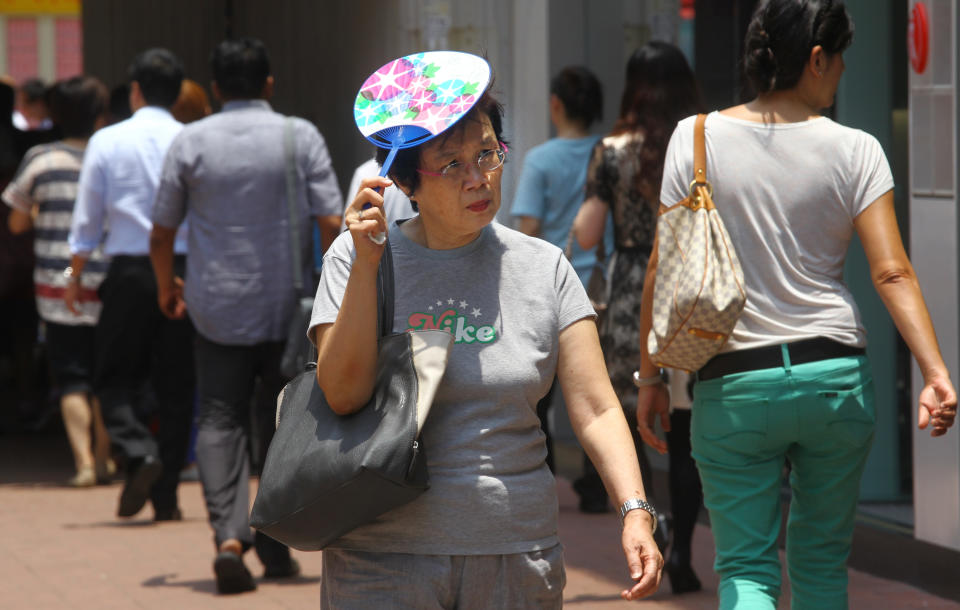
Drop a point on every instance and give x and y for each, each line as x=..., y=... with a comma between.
x=359, y=580
x=226, y=376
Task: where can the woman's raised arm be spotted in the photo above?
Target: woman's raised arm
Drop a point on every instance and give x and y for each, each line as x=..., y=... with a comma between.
x=347, y=349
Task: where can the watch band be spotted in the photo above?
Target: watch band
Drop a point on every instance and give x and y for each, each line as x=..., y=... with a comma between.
x=640, y=382
x=71, y=274
x=635, y=503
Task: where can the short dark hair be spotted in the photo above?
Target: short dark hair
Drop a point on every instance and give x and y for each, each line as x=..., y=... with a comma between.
x=581, y=94
x=240, y=67
x=781, y=35
x=159, y=74
x=34, y=89
x=76, y=103
x=407, y=161
x=120, y=103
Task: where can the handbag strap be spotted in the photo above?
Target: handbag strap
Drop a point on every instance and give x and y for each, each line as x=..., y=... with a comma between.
x=293, y=220
x=385, y=293
x=699, y=150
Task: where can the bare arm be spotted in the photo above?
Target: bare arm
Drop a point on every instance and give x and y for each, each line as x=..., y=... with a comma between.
x=71, y=293
x=19, y=222
x=329, y=229
x=528, y=225
x=588, y=225
x=347, y=349
x=652, y=400
x=169, y=287
x=896, y=283
x=598, y=421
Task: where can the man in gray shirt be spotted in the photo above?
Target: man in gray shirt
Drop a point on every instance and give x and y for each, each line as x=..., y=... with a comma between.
x=227, y=174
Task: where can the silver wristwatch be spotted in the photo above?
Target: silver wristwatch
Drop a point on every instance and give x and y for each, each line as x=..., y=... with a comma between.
x=635, y=503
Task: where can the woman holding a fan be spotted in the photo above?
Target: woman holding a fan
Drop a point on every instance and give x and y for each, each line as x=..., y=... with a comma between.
x=485, y=534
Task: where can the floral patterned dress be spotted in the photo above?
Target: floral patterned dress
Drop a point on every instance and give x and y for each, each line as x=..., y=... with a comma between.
x=611, y=178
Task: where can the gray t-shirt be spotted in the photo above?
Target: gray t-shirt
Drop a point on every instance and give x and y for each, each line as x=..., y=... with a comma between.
x=505, y=297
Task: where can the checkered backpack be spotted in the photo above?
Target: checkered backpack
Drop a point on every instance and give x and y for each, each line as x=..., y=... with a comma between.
x=698, y=292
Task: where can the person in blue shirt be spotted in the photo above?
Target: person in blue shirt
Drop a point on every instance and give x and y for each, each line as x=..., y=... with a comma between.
x=135, y=344
x=551, y=185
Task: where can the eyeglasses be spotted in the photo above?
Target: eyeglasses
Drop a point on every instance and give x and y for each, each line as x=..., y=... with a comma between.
x=487, y=161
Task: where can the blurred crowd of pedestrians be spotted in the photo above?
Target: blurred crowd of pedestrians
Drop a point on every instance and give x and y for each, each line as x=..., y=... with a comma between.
x=95, y=184
x=154, y=252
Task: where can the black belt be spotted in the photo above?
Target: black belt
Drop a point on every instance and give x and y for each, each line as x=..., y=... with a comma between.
x=808, y=350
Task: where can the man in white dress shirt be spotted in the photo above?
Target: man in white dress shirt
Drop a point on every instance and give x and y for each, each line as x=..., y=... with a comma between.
x=136, y=344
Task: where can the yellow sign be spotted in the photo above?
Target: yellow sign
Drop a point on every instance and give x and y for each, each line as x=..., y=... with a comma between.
x=40, y=7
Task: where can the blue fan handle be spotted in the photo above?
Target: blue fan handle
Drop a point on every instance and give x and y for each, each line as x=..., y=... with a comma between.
x=381, y=238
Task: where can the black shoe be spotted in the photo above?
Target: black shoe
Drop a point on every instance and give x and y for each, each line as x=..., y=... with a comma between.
x=232, y=576
x=682, y=577
x=167, y=514
x=140, y=480
x=289, y=569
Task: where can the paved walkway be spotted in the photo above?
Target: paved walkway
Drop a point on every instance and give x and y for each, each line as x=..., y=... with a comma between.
x=61, y=548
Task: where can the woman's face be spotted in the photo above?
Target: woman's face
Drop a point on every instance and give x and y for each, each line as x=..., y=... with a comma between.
x=454, y=210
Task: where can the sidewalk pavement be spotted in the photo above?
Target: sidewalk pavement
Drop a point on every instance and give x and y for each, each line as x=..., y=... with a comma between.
x=63, y=548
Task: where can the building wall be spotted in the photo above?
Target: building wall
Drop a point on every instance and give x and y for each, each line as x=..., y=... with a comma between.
x=40, y=39
x=934, y=239
x=321, y=52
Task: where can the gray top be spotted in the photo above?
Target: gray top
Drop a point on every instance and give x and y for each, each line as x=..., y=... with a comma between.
x=226, y=174
x=505, y=297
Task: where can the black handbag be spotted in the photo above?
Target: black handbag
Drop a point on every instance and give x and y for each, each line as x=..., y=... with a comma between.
x=326, y=474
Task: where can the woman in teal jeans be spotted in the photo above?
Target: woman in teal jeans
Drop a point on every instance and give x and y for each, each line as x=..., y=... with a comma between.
x=792, y=384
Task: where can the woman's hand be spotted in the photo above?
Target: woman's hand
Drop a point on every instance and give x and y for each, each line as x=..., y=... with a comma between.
x=653, y=400
x=365, y=218
x=643, y=556
x=938, y=404
x=71, y=297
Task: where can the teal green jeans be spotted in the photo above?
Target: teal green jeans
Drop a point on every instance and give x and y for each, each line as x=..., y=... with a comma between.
x=817, y=416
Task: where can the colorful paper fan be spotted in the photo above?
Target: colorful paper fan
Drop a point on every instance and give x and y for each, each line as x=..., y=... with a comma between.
x=415, y=98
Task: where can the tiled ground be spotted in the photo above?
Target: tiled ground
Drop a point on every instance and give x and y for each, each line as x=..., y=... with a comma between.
x=62, y=548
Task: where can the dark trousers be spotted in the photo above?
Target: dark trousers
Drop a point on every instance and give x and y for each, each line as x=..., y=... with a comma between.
x=686, y=494
x=226, y=376
x=136, y=348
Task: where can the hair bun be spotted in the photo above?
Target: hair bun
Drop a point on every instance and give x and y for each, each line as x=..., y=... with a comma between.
x=760, y=64
x=761, y=38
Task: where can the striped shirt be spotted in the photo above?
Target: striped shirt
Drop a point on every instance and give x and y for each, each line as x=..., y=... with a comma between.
x=47, y=184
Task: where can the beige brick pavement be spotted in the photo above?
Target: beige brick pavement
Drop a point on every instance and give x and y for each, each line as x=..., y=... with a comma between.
x=62, y=548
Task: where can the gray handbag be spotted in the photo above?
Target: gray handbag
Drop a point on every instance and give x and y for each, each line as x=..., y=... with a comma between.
x=326, y=474
x=297, y=351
